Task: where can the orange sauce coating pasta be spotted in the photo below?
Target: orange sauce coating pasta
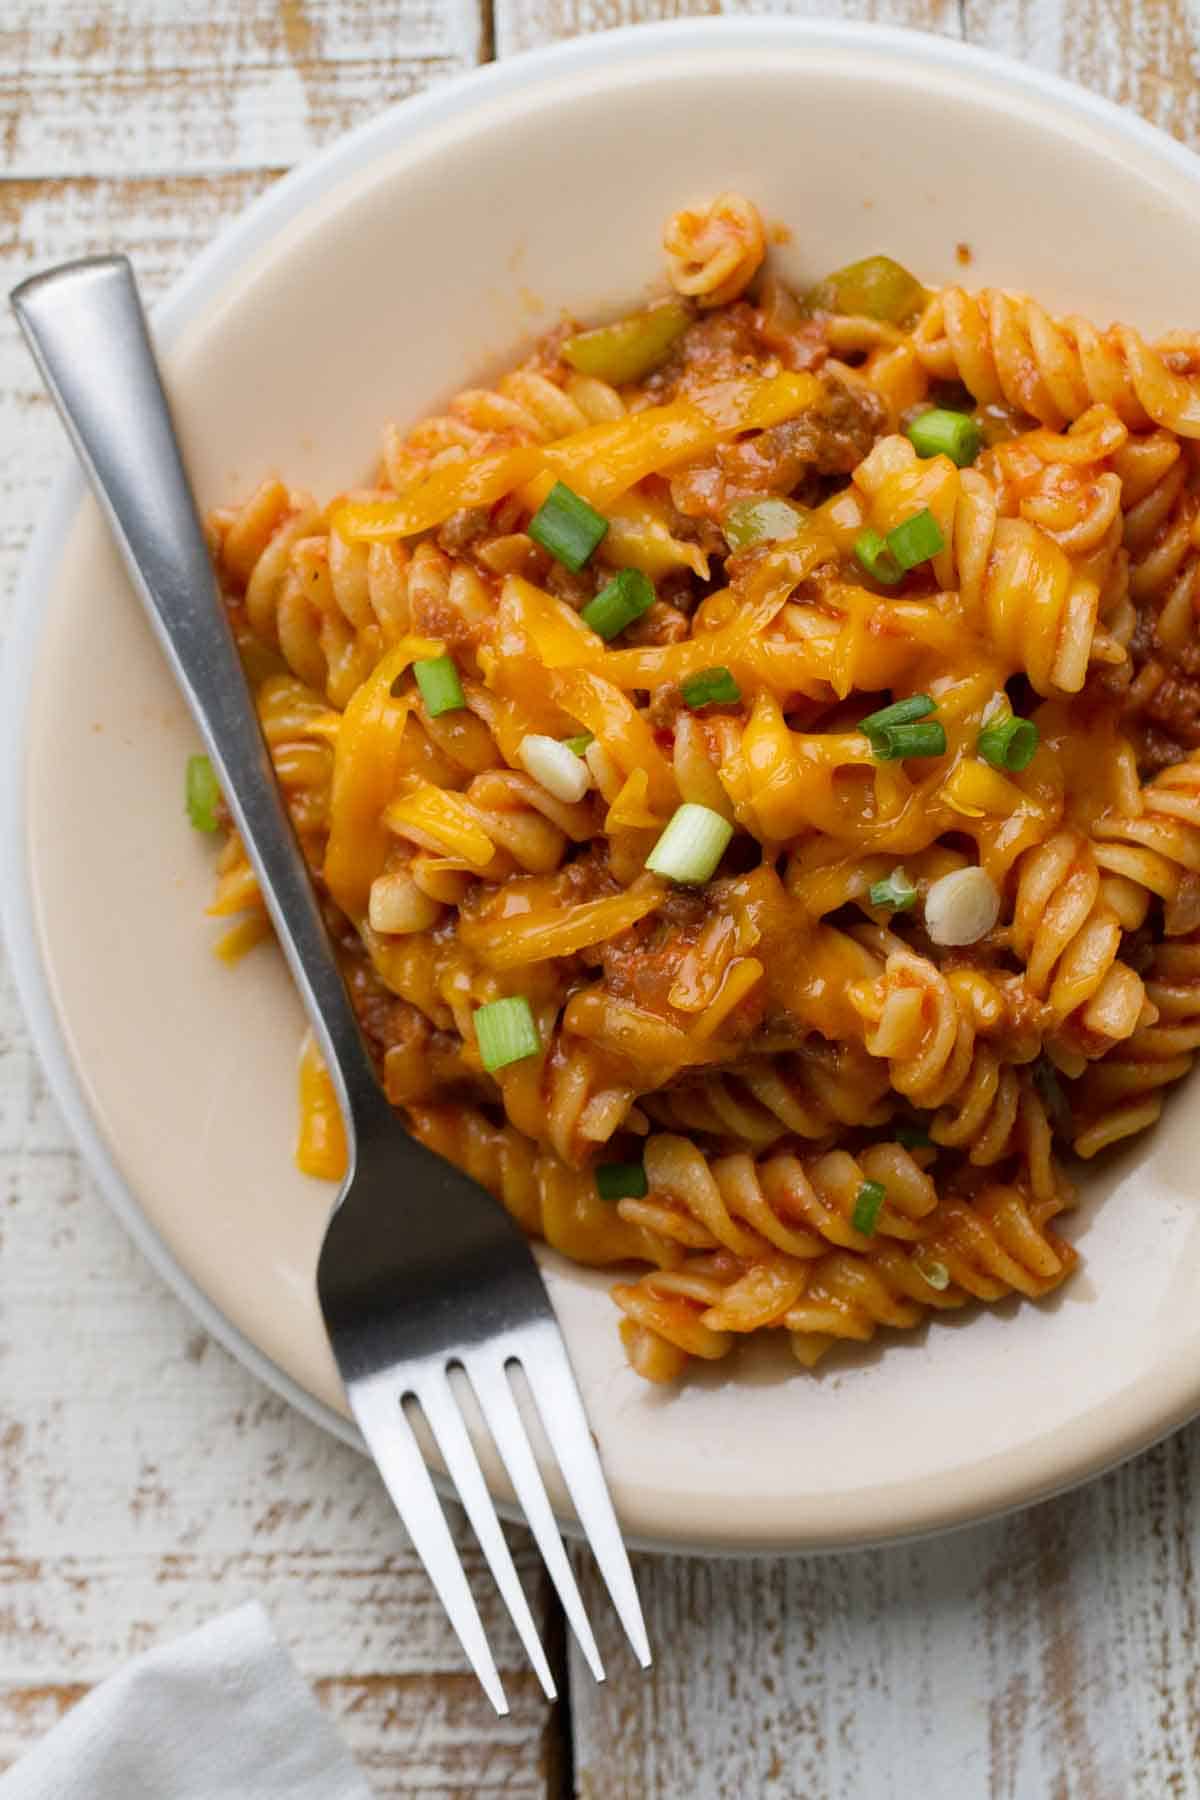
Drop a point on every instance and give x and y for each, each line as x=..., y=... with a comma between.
x=825, y=1083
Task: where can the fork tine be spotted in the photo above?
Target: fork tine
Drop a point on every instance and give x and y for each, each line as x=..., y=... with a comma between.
x=489, y=1378
x=549, y=1373
x=441, y=1409
x=380, y=1414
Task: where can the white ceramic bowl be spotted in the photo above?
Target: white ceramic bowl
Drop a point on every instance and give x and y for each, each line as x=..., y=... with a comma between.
x=408, y=258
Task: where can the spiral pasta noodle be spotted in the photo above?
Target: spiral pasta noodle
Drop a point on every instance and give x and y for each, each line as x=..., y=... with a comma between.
x=1005, y=348
x=1069, y=937
x=1123, y=1094
x=1159, y=850
x=541, y=1193
x=991, y=1247
x=808, y=1094
x=749, y=757
x=525, y=406
x=984, y=1249
x=1016, y=578
x=793, y=1206
x=927, y=1025
x=1161, y=510
x=714, y=255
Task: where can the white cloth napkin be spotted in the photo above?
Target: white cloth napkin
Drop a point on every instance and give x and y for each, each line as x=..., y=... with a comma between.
x=218, y=1715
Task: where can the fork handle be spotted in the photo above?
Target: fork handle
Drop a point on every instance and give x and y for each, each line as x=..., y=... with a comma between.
x=85, y=325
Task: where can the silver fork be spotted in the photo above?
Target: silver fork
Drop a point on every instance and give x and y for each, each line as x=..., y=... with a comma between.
x=421, y=1272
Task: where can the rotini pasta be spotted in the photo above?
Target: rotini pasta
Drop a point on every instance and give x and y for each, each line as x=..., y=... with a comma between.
x=750, y=758
x=1122, y=1094
x=1006, y=349
x=1158, y=849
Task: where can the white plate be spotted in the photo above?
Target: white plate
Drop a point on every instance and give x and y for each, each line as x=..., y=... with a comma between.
x=409, y=257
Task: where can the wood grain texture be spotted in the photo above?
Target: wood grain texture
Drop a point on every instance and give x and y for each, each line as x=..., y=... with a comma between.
x=1050, y=1656
x=1145, y=56
x=147, y=1482
x=170, y=88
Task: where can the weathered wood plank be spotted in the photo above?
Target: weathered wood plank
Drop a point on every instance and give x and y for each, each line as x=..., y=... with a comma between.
x=172, y=89
x=1051, y=1654
x=1146, y=56
x=524, y=24
x=162, y=224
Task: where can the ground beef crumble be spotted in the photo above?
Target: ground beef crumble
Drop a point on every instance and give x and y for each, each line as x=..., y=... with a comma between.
x=1164, y=720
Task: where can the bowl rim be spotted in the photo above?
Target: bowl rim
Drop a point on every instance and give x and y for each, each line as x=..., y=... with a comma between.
x=188, y=297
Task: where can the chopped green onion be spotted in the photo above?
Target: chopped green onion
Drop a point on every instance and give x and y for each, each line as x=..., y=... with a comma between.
x=916, y=540
x=580, y=743
x=709, y=686
x=202, y=794
x=621, y=1181
x=940, y=432
x=936, y=1274
x=763, y=520
x=913, y=1137
x=1008, y=743
x=691, y=846
x=555, y=767
x=961, y=907
x=505, y=1032
x=867, y=1205
x=873, y=553
x=900, y=712
x=897, y=892
x=441, y=690
x=628, y=349
x=899, y=741
x=622, y=600
x=567, y=527
x=876, y=287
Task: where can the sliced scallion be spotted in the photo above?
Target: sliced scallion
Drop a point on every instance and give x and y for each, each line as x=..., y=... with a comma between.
x=622, y=600
x=621, y=1181
x=710, y=687
x=201, y=793
x=691, y=846
x=505, y=1032
x=441, y=690
x=876, y=558
x=900, y=712
x=555, y=767
x=936, y=1274
x=1009, y=743
x=896, y=893
x=941, y=432
x=867, y=1206
x=580, y=742
x=567, y=526
x=898, y=741
x=916, y=539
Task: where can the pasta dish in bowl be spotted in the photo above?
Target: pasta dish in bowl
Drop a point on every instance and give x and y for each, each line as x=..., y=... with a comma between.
x=749, y=754
x=723, y=629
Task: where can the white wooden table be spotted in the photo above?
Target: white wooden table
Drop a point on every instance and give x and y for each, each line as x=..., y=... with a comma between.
x=148, y=1483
